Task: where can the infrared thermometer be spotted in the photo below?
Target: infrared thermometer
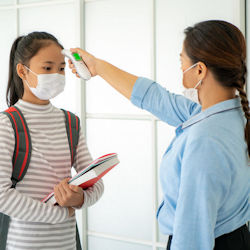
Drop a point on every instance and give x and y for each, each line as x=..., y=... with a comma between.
x=80, y=66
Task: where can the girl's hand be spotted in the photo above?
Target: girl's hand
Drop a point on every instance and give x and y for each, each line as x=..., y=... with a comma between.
x=88, y=59
x=68, y=195
x=71, y=211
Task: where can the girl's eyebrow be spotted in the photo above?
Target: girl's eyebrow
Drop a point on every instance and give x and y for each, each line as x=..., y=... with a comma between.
x=50, y=62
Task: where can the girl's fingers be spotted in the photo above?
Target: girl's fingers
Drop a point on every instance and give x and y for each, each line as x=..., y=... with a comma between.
x=58, y=195
x=65, y=188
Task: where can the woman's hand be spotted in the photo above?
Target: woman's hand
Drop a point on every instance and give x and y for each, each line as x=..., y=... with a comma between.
x=88, y=59
x=68, y=195
x=118, y=79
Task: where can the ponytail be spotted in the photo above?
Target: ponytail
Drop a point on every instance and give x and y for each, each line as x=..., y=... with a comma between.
x=245, y=107
x=15, y=85
x=22, y=50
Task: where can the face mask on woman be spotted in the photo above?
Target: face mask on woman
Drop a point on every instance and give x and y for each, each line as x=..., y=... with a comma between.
x=192, y=93
x=48, y=85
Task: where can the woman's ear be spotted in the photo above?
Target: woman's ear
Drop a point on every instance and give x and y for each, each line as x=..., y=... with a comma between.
x=21, y=71
x=202, y=70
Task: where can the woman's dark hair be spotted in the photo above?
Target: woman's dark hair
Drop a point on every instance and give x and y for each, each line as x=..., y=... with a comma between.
x=22, y=50
x=222, y=48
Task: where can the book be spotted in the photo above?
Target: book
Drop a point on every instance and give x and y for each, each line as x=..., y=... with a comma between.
x=89, y=175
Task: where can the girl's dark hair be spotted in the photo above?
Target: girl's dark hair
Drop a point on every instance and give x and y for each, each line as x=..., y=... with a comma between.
x=22, y=50
x=222, y=48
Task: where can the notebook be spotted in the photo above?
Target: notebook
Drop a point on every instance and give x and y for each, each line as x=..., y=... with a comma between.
x=89, y=175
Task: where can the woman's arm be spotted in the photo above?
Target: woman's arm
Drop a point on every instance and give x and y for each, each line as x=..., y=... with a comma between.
x=122, y=81
x=144, y=93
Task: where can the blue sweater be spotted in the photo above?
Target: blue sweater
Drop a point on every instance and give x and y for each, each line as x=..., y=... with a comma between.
x=204, y=172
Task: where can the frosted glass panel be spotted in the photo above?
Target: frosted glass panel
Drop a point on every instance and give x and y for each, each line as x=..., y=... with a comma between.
x=120, y=32
x=7, y=2
x=8, y=35
x=60, y=21
x=106, y=244
x=126, y=206
x=34, y=1
x=172, y=18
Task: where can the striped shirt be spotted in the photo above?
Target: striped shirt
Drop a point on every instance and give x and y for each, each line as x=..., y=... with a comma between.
x=33, y=224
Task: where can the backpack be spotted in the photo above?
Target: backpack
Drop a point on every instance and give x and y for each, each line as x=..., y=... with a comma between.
x=22, y=154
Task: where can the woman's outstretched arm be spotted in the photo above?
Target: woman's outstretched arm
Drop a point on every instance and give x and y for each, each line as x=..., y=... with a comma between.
x=122, y=81
x=142, y=92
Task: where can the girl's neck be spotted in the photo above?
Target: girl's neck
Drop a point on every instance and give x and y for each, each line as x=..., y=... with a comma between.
x=34, y=100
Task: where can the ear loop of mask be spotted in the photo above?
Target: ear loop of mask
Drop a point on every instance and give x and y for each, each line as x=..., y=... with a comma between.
x=31, y=72
x=192, y=66
x=198, y=83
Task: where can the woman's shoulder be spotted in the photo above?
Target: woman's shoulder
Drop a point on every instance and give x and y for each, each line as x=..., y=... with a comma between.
x=220, y=134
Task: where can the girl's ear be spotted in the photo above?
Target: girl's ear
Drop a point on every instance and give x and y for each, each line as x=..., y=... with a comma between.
x=21, y=71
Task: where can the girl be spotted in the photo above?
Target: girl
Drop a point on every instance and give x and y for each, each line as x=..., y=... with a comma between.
x=36, y=74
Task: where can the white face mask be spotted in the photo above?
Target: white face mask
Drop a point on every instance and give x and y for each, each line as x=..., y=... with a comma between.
x=48, y=85
x=192, y=93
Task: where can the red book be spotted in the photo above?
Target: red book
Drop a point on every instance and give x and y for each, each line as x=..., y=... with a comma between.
x=90, y=175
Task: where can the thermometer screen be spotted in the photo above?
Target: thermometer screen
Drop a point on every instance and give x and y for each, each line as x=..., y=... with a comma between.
x=77, y=57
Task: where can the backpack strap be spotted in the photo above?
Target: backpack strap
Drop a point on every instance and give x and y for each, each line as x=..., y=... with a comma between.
x=72, y=127
x=20, y=161
x=23, y=147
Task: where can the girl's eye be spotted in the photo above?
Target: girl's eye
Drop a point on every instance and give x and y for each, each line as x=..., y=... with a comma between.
x=47, y=68
x=62, y=69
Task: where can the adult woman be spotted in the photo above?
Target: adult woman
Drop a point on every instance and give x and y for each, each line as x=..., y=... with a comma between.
x=36, y=74
x=204, y=172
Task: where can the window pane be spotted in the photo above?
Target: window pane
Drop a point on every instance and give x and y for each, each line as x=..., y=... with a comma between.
x=126, y=208
x=170, y=27
x=120, y=32
x=34, y=1
x=8, y=32
x=108, y=244
x=7, y=2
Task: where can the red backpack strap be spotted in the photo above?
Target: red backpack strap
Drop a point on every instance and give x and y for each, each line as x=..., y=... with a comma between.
x=72, y=127
x=23, y=147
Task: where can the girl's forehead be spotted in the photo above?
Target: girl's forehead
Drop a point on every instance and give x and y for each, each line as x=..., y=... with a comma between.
x=51, y=52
